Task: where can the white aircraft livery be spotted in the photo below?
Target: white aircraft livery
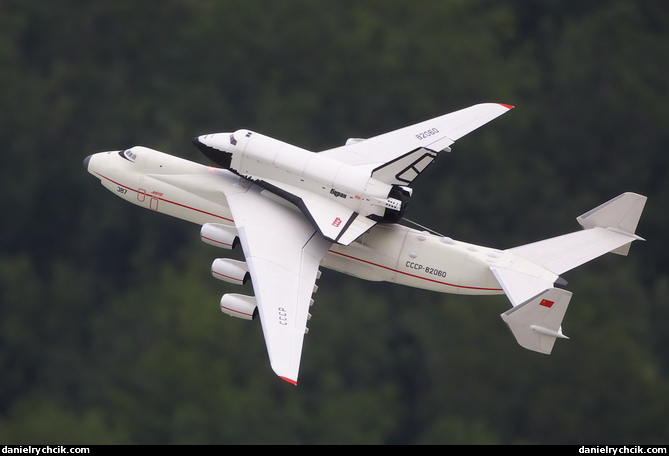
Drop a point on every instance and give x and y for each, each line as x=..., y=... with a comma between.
x=293, y=211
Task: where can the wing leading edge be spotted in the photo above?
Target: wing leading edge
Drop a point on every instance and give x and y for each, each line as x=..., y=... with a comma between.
x=283, y=251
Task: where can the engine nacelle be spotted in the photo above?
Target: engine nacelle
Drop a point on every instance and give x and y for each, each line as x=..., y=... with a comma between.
x=239, y=306
x=218, y=235
x=231, y=271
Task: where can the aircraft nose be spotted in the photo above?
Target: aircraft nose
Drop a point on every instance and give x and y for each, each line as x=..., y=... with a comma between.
x=86, y=160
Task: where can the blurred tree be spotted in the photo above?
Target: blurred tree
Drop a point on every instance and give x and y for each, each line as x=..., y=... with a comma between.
x=109, y=331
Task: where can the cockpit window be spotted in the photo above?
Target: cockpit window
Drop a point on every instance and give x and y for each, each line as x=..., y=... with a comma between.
x=128, y=155
x=233, y=141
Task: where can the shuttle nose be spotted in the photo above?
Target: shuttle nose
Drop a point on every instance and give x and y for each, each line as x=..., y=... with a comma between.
x=86, y=160
x=218, y=156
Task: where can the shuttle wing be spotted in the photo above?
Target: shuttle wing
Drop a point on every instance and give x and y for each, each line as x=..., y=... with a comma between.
x=334, y=221
x=399, y=156
x=283, y=251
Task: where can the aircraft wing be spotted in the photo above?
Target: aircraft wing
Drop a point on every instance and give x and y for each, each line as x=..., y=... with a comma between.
x=283, y=252
x=399, y=156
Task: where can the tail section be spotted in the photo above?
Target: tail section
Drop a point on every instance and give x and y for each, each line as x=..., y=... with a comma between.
x=536, y=322
x=609, y=227
x=528, y=273
x=621, y=215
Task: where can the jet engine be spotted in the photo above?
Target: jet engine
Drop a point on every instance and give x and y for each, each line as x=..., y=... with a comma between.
x=231, y=271
x=239, y=306
x=218, y=235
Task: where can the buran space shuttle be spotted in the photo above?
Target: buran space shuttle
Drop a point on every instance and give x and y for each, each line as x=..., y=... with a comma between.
x=345, y=191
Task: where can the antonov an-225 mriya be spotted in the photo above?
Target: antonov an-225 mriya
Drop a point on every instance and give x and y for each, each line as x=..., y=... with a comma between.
x=294, y=210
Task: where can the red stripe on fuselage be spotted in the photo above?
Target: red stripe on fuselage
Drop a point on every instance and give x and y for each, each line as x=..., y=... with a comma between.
x=165, y=200
x=330, y=251
x=412, y=275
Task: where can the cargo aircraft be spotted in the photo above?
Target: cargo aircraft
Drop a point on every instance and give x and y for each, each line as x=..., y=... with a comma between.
x=293, y=211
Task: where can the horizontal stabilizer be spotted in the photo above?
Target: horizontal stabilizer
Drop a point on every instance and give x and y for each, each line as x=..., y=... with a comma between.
x=536, y=322
x=519, y=286
x=609, y=227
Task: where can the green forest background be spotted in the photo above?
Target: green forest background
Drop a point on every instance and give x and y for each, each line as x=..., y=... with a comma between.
x=110, y=330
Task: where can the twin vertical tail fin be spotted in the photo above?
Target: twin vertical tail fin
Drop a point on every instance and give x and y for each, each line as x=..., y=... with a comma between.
x=529, y=270
x=619, y=215
x=536, y=322
x=609, y=227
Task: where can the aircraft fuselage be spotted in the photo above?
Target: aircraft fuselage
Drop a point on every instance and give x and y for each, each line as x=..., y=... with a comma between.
x=276, y=165
x=388, y=252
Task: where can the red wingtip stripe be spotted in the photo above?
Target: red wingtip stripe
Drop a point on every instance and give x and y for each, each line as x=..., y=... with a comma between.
x=289, y=380
x=506, y=106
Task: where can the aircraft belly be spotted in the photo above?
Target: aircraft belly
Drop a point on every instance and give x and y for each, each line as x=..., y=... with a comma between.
x=349, y=260
x=394, y=253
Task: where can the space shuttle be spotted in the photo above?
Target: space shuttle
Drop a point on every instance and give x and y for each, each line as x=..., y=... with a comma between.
x=345, y=191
